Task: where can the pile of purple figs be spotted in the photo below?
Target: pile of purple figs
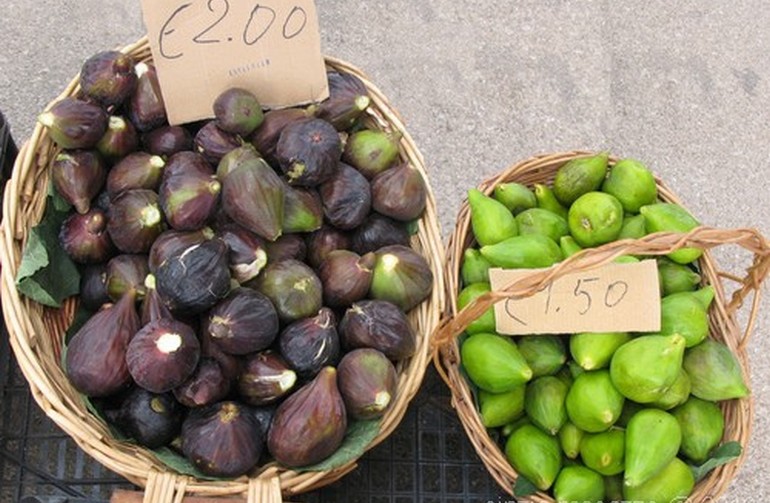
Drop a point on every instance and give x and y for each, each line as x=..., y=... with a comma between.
x=248, y=275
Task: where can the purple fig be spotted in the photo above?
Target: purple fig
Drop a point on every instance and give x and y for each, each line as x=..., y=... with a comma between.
x=85, y=237
x=138, y=170
x=302, y=209
x=126, y=273
x=231, y=365
x=346, y=198
x=371, y=151
x=152, y=419
x=220, y=439
x=244, y=322
x=119, y=140
x=162, y=355
x=108, y=77
x=252, y=195
x=237, y=111
x=243, y=155
x=167, y=140
x=96, y=356
x=265, y=137
x=367, y=382
x=380, y=325
x=266, y=378
x=188, y=198
x=186, y=163
x=247, y=255
x=74, y=124
x=93, y=287
x=402, y=276
x=348, y=98
x=346, y=277
x=207, y=385
x=288, y=246
x=310, y=344
x=135, y=220
x=264, y=416
x=308, y=152
x=399, y=193
x=213, y=143
x=78, y=176
x=146, y=108
x=293, y=287
x=376, y=232
x=310, y=425
x=323, y=241
x=171, y=242
x=152, y=305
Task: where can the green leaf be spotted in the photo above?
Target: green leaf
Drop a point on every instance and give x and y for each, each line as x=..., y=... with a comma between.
x=725, y=453
x=523, y=487
x=358, y=437
x=182, y=465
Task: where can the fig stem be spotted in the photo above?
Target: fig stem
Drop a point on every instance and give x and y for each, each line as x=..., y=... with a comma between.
x=362, y=102
x=46, y=119
x=381, y=400
x=150, y=216
x=157, y=162
x=389, y=262
x=117, y=123
x=168, y=342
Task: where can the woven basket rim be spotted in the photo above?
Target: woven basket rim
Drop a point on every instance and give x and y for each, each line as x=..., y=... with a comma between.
x=23, y=207
x=723, y=324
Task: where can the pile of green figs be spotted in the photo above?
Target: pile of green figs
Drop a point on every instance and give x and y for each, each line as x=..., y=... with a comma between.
x=248, y=276
x=597, y=416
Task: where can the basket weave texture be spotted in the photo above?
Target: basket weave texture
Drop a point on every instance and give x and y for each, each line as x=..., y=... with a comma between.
x=723, y=325
x=37, y=332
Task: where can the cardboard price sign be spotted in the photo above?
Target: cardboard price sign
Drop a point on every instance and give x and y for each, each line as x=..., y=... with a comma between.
x=613, y=298
x=203, y=47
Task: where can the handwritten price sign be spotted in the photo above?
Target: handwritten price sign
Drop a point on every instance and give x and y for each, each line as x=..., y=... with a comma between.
x=202, y=47
x=613, y=298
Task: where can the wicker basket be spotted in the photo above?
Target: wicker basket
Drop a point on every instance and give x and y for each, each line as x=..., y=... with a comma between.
x=722, y=319
x=36, y=332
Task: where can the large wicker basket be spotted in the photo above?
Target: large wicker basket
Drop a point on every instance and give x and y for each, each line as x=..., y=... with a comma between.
x=723, y=324
x=37, y=332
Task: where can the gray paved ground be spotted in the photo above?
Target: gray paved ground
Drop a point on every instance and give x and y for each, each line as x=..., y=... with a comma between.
x=684, y=86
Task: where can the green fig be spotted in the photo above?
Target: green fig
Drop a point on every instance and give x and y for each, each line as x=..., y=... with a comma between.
x=595, y=218
x=613, y=488
x=475, y=268
x=253, y=196
x=672, y=484
x=485, y=322
x=632, y=183
x=293, y=288
x=705, y=296
x=547, y=200
x=569, y=246
x=653, y=438
x=535, y=455
x=604, y=452
x=544, y=403
x=531, y=251
x=579, y=176
x=702, y=425
x=676, y=278
x=302, y=209
x=714, y=372
x=237, y=111
x=545, y=354
x=626, y=259
x=671, y=217
x=540, y=221
x=574, y=369
x=401, y=276
x=515, y=196
x=491, y=221
x=676, y=394
x=643, y=369
x=593, y=403
x=499, y=409
x=578, y=483
x=682, y=313
x=494, y=363
x=630, y=408
x=570, y=438
x=74, y=124
x=371, y=151
x=633, y=227
x=592, y=350
x=509, y=428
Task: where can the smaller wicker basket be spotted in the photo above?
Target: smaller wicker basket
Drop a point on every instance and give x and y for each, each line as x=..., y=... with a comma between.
x=36, y=332
x=722, y=316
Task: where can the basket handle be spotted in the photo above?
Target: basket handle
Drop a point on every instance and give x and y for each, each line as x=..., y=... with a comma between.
x=661, y=243
x=165, y=487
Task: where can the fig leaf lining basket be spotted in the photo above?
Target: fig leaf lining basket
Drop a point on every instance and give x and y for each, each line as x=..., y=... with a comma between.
x=37, y=332
x=723, y=325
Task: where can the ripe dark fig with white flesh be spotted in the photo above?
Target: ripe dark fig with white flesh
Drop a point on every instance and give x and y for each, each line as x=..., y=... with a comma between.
x=85, y=237
x=347, y=100
x=125, y=273
x=310, y=344
x=244, y=322
x=323, y=241
x=220, y=439
x=266, y=378
x=152, y=419
x=207, y=385
x=96, y=354
x=119, y=140
x=108, y=77
x=265, y=137
x=399, y=193
x=93, y=286
x=163, y=355
x=308, y=152
x=367, y=382
x=380, y=325
x=135, y=220
x=73, y=123
x=78, y=176
x=189, y=198
x=146, y=108
x=195, y=279
x=346, y=198
x=152, y=305
x=402, y=276
x=213, y=143
x=376, y=232
x=167, y=140
x=237, y=111
x=346, y=277
x=247, y=255
x=138, y=170
x=371, y=151
x=310, y=425
x=172, y=241
x=302, y=209
x=293, y=287
x=288, y=246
